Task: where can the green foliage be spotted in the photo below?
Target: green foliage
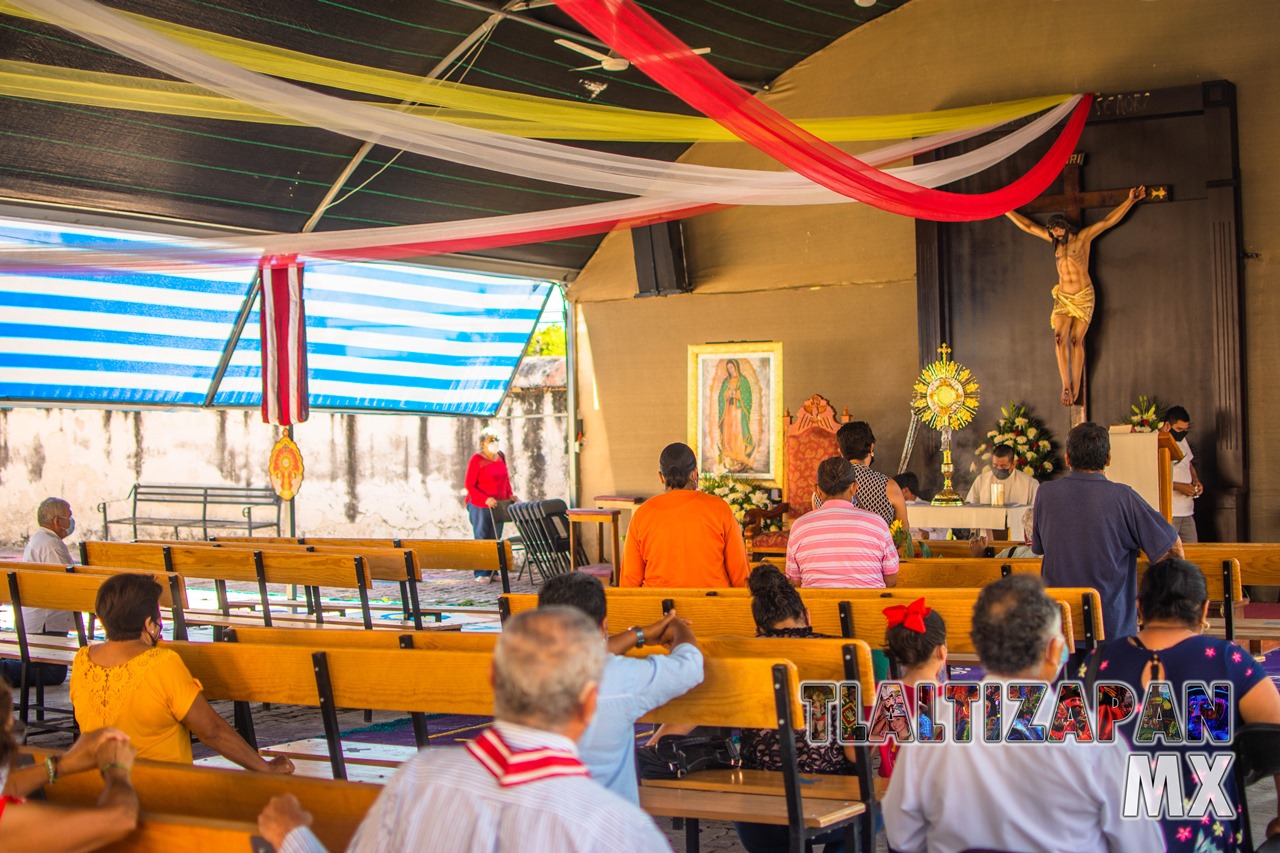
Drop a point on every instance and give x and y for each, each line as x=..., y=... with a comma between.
x=1147, y=415
x=548, y=340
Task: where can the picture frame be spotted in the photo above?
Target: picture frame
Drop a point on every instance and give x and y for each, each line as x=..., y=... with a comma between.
x=735, y=410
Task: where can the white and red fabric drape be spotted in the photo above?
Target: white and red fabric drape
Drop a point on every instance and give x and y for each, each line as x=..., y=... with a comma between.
x=284, y=341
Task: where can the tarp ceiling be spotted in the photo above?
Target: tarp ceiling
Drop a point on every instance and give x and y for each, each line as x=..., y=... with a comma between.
x=273, y=178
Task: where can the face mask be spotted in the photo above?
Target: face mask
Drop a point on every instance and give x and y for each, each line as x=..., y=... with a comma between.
x=1178, y=434
x=1002, y=473
x=1066, y=653
x=71, y=526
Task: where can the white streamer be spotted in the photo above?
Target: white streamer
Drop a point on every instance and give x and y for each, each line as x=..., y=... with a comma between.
x=247, y=249
x=530, y=158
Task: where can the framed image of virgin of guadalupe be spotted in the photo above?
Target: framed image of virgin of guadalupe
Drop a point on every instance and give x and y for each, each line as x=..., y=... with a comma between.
x=735, y=410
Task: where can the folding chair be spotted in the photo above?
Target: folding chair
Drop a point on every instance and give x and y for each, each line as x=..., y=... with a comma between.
x=1257, y=749
x=500, y=513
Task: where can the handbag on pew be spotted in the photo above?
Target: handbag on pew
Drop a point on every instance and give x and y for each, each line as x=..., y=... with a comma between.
x=676, y=756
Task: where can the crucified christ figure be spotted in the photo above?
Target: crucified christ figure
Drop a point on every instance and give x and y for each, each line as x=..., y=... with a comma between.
x=1073, y=294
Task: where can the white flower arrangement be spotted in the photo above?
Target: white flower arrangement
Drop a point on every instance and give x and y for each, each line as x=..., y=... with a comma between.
x=741, y=496
x=1017, y=428
x=1147, y=415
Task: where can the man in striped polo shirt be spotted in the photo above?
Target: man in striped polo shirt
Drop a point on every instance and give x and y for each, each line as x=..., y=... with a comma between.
x=839, y=545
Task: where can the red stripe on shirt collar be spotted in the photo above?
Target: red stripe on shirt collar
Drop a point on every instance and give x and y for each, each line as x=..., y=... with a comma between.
x=519, y=767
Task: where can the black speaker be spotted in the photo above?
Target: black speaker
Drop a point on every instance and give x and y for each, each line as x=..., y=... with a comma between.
x=660, y=266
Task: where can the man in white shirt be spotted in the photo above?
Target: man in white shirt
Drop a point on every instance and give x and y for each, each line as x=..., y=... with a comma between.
x=949, y=797
x=519, y=786
x=1186, y=482
x=1019, y=488
x=45, y=546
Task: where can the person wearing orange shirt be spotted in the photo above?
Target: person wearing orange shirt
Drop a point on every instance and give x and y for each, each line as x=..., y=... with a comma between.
x=683, y=537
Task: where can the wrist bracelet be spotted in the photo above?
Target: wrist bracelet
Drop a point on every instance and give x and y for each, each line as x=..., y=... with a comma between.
x=51, y=765
x=114, y=765
x=639, y=636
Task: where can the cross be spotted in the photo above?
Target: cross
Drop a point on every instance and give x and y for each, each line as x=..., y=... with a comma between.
x=1073, y=201
x=944, y=350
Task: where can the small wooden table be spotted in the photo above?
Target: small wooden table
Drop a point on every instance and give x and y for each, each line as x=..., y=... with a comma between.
x=600, y=517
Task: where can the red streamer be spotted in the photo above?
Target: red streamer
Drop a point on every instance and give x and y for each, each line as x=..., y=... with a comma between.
x=513, y=238
x=632, y=32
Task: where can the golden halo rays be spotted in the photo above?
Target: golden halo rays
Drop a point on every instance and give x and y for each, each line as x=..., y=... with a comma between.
x=945, y=394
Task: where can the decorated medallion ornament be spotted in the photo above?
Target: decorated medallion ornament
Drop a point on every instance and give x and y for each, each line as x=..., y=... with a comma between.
x=945, y=397
x=285, y=468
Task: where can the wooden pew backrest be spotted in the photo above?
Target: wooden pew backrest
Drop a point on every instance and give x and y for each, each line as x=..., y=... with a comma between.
x=252, y=673
x=206, y=792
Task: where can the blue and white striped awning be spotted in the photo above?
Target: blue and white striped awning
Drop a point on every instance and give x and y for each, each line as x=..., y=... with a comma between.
x=389, y=337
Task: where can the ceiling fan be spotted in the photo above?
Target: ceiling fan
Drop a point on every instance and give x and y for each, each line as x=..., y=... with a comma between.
x=606, y=62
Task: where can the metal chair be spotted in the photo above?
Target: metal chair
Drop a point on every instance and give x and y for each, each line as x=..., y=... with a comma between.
x=500, y=513
x=1257, y=750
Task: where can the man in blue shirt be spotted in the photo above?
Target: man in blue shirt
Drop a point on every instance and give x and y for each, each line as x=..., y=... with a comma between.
x=1090, y=530
x=632, y=686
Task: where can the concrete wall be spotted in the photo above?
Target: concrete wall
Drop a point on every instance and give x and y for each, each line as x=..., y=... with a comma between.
x=366, y=475
x=854, y=339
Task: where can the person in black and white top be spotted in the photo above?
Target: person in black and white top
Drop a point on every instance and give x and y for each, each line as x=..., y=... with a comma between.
x=1186, y=482
x=876, y=492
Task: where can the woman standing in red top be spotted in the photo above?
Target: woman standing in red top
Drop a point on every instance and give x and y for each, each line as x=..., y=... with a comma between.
x=487, y=483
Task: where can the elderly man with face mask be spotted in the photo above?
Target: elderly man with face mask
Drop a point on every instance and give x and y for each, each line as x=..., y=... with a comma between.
x=45, y=546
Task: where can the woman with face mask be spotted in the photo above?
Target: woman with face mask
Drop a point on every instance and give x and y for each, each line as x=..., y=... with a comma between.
x=488, y=481
x=134, y=684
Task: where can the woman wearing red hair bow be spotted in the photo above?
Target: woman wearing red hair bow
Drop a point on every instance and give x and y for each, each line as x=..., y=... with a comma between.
x=916, y=640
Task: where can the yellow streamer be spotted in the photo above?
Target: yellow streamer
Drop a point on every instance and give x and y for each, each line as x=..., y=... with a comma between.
x=528, y=116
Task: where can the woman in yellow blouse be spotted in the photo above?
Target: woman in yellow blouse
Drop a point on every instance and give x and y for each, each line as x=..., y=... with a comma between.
x=134, y=684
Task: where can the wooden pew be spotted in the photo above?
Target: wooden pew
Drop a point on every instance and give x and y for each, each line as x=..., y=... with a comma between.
x=642, y=610
x=852, y=618
x=816, y=660
x=165, y=833
x=397, y=565
x=1086, y=604
x=174, y=595
x=227, y=795
x=436, y=555
x=190, y=563
x=222, y=564
x=349, y=638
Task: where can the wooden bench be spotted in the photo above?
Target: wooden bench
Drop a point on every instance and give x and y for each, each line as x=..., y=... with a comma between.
x=350, y=638
x=397, y=565
x=816, y=660
x=174, y=597
x=339, y=571
x=226, y=795
x=1086, y=604
x=435, y=555
x=848, y=617
x=246, y=498
x=758, y=693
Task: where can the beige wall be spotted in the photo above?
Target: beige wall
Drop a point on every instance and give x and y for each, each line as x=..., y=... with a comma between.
x=854, y=340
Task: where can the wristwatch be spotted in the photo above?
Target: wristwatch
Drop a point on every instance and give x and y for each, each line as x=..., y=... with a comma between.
x=639, y=636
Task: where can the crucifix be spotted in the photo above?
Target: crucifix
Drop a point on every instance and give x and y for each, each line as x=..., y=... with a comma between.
x=1073, y=295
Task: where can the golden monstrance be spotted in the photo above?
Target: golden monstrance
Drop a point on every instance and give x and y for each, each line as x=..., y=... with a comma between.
x=945, y=397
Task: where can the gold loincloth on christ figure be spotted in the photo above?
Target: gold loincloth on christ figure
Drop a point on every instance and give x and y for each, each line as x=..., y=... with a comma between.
x=1078, y=306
